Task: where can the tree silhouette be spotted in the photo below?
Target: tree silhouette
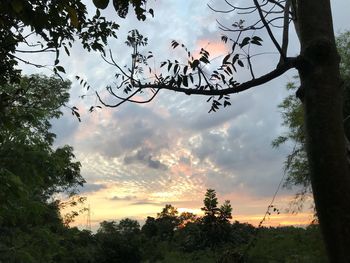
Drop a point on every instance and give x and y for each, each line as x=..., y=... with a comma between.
x=296, y=164
x=55, y=25
x=320, y=92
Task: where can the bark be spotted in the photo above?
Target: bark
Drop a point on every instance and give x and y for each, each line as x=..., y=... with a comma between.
x=322, y=99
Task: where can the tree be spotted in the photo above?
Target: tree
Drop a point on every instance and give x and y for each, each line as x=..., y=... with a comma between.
x=149, y=229
x=118, y=242
x=320, y=92
x=296, y=164
x=57, y=24
x=210, y=204
x=128, y=227
x=215, y=223
x=31, y=171
x=225, y=211
x=167, y=221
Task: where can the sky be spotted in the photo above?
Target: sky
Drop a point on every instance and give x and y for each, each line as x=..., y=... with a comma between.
x=137, y=158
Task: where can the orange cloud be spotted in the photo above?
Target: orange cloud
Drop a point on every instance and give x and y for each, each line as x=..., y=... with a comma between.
x=215, y=49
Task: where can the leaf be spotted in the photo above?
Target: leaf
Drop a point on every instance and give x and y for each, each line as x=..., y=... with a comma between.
x=122, y=8
x=234, y=59
x=228, y=71
x=185, y=81
x=255, y=42
x=185, y=69
x=98, y=13
x=102, y=4
x=73, y=16
x=176, y=68
x=256, y=38
x=174, y=44
x=224, y=39
x=205, y=60
x=227, y=103
x=61, y=69
x=67, y=51
x=224, y=61
x=195, y=64
x=151, y=12
x=245, y=42
x=191, y=77
x=240, y=63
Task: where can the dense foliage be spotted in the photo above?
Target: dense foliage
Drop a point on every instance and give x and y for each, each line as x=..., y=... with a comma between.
x=32, y=171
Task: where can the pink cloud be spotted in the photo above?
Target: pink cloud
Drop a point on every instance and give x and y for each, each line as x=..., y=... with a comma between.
x=215, y=49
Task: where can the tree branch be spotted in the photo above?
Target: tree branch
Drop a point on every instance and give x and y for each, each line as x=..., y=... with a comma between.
x=281, y=69
x=266, y=24
x=285, y=39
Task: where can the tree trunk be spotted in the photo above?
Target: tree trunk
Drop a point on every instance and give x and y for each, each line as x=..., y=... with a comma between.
x=322, y=100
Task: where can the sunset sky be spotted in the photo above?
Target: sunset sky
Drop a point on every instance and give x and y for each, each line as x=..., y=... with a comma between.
x=137, y=158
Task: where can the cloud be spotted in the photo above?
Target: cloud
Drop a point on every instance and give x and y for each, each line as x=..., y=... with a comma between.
x=146, y=202
x=91, y=187
x=172, y=149
x=123, y=198
x=144, y=156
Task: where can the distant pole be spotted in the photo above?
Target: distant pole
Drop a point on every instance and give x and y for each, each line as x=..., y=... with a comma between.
x=88, y=223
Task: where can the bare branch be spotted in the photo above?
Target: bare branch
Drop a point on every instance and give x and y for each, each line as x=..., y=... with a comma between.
x=121, y=102
x=285, y=30
x=266, y=24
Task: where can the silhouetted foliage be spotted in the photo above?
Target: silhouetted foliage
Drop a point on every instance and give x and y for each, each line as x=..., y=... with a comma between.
x=55, y=25
x=32, y=171
x=296, y=164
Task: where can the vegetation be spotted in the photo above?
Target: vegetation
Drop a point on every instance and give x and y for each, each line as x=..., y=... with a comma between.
x=29, y=185
x=32, y=229
x=296, y=164
x=320, y=91
x=56, y=25
x=32, y=172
